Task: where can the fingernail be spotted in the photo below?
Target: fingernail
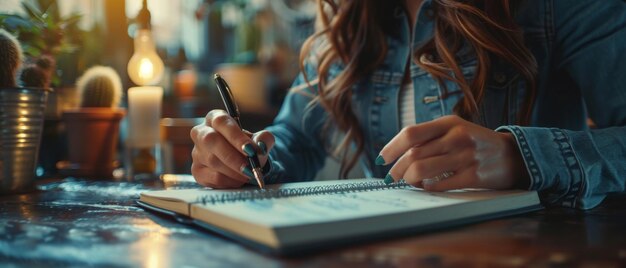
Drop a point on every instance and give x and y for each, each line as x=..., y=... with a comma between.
x=263, y=147
x=248, y=149
x=246, y=170
x=388, y=179
x=379, y=160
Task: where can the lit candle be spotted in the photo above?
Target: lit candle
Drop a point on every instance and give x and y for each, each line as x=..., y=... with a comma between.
x=144, y=115
x=145, y=68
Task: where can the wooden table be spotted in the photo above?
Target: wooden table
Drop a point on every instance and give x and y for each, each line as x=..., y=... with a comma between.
x=77, y=223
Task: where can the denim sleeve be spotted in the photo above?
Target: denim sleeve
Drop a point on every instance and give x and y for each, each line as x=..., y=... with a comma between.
x=590, y=47
x=573, y=168
x=579, y=168
x=299, y=152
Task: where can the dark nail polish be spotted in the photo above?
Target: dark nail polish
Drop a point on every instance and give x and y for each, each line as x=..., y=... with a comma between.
x=263, y=147
x=379, y=160
x=247, y=171
x=388, y=179
x=249, y=149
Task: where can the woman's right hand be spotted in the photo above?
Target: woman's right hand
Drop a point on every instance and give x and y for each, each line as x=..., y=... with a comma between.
x=221, y=150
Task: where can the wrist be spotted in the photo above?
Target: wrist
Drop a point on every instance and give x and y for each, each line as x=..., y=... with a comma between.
x=518, y=170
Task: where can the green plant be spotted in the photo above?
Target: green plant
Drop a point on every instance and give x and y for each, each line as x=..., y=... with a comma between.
x=10, y=58
x=43, y=32
x=100, y=86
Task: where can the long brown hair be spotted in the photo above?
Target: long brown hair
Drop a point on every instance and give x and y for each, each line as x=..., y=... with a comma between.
x=353, y=34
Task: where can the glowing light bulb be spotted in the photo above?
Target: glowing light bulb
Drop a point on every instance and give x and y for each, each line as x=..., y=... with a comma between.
x=145, y=67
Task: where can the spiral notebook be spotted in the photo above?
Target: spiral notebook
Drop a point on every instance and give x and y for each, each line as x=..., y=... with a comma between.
x=307, y=216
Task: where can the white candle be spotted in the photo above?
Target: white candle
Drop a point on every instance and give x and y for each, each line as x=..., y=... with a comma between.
x=144, y=110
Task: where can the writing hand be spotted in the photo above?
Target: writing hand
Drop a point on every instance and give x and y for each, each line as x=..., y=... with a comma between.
x=473, y=156
x=220, y=151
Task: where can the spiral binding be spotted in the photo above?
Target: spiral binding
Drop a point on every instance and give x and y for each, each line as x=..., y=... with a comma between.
x=305, y=191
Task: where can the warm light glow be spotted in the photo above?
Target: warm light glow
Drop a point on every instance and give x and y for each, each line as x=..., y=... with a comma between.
x=26, y=210
x=153, y=260
x=152, y=248
x=145, y=67
x=22, y=128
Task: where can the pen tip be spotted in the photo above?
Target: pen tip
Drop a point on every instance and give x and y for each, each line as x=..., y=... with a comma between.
x=215, y=76
x=258, y=175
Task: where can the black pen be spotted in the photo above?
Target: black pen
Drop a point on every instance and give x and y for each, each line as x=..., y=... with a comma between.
x=233, y=111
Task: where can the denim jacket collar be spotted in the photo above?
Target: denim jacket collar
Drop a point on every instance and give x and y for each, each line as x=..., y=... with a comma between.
x=401, y=45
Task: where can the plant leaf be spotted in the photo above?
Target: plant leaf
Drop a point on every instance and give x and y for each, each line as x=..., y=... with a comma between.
x=31, y=51
x=71, y=20
x=48, y=4
x=33, y=12
x=14, y=22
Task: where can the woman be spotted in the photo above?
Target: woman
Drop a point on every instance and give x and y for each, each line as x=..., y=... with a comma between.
x=448, y=94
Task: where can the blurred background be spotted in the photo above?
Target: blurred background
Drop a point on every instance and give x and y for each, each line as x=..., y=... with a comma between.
x=254, y=44
x=194, y=38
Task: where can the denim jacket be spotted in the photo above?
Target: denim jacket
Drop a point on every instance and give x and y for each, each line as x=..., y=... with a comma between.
x=580, y=48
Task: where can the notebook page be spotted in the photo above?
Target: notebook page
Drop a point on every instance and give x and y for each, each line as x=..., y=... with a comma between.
x=332, y=207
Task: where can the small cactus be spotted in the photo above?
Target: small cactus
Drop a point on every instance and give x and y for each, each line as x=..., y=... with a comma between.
x=10, y=59
x=99, y=86
x=48, y=65
x=46, y=62
x=34, y=76
x=38, y=74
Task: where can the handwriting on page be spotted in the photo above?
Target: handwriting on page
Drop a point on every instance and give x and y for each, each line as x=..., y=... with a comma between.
x=310, y=209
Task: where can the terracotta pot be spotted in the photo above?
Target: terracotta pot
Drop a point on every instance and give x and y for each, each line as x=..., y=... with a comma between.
x=92, y=135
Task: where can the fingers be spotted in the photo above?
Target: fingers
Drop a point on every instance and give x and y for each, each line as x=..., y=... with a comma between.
x=228, y=128
x=265, y=141
x=414, y=136
x=478, y=157
x=214, y=151
x=415, y=171
x=213, y=162
x=218, y=156
x=415, y=164
x=221, y=150
x=461, y=179
x=207, y=177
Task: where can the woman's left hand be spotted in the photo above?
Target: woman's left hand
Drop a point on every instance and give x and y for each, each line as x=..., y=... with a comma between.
x=470, y=155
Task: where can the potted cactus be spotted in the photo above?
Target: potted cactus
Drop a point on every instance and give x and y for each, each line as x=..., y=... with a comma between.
x=21, y=120
x=93, y=129
x=10, y=59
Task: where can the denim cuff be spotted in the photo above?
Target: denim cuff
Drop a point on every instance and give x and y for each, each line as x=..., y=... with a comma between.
x=529, y=161
x=555, y=171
